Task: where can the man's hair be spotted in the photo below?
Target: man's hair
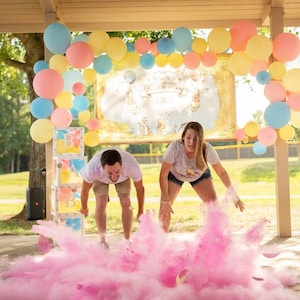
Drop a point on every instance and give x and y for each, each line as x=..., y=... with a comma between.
x=110, y=157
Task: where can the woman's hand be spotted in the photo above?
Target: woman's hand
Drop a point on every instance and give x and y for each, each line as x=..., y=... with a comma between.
x=240, y=205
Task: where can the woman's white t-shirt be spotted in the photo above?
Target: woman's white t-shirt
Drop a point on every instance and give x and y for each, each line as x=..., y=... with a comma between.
x=184, y=168
x=93, y=170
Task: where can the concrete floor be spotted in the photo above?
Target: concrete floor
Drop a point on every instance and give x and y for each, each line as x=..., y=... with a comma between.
x=12, y=247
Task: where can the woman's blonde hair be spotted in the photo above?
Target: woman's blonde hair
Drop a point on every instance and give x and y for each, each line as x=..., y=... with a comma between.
x=200, y=146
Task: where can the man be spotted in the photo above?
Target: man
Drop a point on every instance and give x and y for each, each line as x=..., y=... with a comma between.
x=118, y=167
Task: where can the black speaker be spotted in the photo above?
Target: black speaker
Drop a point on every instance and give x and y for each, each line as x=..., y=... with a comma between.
x=35, y=204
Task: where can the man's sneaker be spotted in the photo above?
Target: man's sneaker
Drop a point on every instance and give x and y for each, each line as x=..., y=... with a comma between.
x=105, y=245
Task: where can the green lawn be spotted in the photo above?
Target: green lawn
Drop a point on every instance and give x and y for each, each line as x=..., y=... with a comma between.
x=253, y=179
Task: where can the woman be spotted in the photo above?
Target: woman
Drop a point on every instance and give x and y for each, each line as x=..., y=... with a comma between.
x=187, y=160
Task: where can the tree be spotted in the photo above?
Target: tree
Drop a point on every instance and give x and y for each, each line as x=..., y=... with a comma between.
x=22, y=51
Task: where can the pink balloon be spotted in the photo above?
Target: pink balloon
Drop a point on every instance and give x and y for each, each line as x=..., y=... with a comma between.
x=48, y=83
x=258, y=66
x=93, y=124
x=142, y=45
x=61, y=117
x=275, y=91
x=240, y=134
x=191, y=60
x=209, y=58
x=241, y=32
x=80, y=55
x=286, y=47
x=78, y=88
x=294, y=101
x=267, y=136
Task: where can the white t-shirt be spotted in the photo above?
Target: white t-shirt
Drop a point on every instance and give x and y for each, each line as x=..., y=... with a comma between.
x=184, y=168
x=93, y=170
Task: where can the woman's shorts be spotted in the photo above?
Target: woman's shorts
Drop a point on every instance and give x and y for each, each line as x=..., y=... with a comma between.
x=101, y=188
x=205, y=175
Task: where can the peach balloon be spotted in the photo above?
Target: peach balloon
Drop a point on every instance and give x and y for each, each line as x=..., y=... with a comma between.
x=142, y=45
x=258, y=66
x=191, y=60
x=275, y=91
x=48, y=83
x=294, y=101
x=93, y=124
x=239, y=134
x=209, y=58
x=267, y=136
x=241, y=31
x=80, y=55
x=286, y=47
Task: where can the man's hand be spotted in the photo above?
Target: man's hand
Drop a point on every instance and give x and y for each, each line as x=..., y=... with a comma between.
x=84, y=211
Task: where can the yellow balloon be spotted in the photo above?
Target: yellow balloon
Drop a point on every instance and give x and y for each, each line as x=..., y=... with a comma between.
x=251, y=129
x=59, y=63
x=41, y=131
x=295, y=118
x=175, y=60
x=98, y=40
x=240, y=63
x=116, y=49
x=219, y=40
x=199, y=45
x=89, y=75
x=64, y=99
x=277, y=70
x=287, y=132
x=161, y=60
x=291, y=80
x=132, y=59
x=84, y=116
x=259, y=47
x=91, y=138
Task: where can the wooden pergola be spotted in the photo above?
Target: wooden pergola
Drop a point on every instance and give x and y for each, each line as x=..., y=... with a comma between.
x=33, y=16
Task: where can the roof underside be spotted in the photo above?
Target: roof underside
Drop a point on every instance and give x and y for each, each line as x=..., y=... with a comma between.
x=21, y=16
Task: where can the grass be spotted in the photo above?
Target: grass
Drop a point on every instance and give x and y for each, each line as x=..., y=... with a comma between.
x=254, y=180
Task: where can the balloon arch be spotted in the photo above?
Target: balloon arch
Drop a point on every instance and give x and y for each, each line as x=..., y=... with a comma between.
x=61, y=83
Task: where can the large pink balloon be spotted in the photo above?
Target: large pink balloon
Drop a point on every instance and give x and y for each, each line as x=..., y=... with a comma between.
x=275, y=91
x=286, y=47
x=241, y=32
x=80, y=55
x=191, y=60
x=48, y=83
x=61, y=117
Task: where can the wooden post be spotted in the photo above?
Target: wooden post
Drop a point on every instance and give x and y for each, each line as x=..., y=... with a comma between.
x=281, y=152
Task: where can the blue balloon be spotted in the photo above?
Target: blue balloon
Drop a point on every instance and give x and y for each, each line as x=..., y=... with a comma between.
x=165, y=45
x=74, y=113
x=259, y=149
x=57, y=38
x=80, y=103
x=130, y=47
x=277, y=114
x=147, y=61
x=81, y=38
x=102, y=64
x=263, y=77
x=40, y=65
x=182, y=38
x=41, y=108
